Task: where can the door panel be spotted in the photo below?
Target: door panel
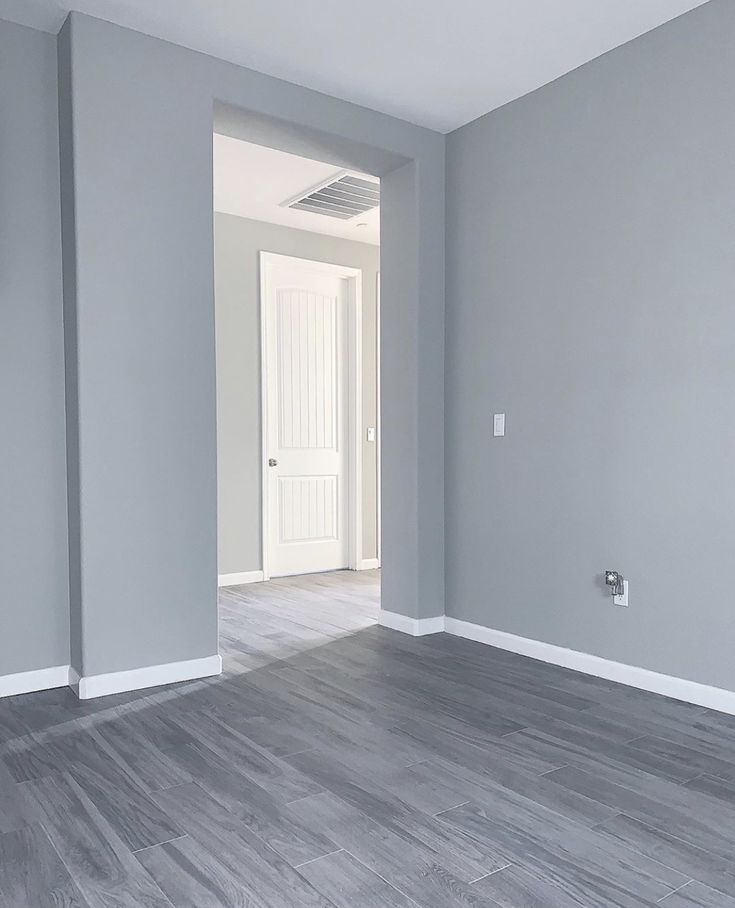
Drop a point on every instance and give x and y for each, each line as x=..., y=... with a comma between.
x=307, y=369
x=306, y=419
x=308, y=508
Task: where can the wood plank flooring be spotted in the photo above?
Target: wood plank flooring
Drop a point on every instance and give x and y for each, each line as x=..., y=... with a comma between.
x=339, y=764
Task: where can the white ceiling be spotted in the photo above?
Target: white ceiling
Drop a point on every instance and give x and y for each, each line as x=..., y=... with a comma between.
x=438, y=63
x=253, y=182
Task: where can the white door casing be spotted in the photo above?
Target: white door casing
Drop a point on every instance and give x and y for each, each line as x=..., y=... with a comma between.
x=310, y=319
x=378, y=452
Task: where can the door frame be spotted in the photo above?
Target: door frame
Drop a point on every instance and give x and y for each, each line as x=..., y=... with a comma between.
x=268, y=261
x=378, y=456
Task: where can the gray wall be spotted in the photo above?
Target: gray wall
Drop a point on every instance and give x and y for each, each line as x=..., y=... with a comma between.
x=590, y=297
x=34, y=600
x=237, y=245
x=136, y=124
x=589, y=239
x=144, y=348
x=71, y=384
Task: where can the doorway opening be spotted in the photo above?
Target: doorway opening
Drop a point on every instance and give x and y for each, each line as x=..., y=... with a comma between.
x=297, y=328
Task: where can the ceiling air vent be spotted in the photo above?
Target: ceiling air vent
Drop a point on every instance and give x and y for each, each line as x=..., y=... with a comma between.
x=344, y=197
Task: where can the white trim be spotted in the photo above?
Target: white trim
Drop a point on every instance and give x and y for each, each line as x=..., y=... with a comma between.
x=264, y=260
x=354, y=341
x=642, y=678
x=367, y=564
x=379, y=442
x=354, y=276
x=416, y=627
x=237, y=579
x=151, y=676
x=38, y=679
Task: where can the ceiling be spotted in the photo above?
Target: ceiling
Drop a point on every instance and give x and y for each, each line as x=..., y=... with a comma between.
x=252, y=181
x=436, y=63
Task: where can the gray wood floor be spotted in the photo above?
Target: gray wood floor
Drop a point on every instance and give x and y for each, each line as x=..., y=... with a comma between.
x=336, y=763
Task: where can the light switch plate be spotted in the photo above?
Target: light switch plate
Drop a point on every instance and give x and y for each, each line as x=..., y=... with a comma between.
x=371, y=433
x=499, y=424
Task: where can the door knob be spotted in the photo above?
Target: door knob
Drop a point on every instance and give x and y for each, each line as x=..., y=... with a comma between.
x=272, y=462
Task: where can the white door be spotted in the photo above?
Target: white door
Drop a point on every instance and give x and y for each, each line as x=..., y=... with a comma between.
x=305, y=311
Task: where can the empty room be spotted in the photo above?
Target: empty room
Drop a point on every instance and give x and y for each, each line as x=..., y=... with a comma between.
x=367, y=391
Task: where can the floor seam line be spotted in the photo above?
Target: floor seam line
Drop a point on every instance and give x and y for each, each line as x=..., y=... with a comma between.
x=701, y=775
x=442, y=812
x=76, y=882
x=175, y=838
x=490, y=873
x=547, y=772
x=380, y=876
x=319, y=858
x=673, y=891
x=672, y=835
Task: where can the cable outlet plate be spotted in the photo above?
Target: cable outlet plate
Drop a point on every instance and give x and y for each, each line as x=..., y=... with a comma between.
x=622, y=600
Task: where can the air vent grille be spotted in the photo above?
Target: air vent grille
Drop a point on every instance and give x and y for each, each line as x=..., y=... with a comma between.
x=343, y=198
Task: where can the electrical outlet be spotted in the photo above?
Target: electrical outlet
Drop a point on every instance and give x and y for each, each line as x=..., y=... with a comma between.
x=622, y=600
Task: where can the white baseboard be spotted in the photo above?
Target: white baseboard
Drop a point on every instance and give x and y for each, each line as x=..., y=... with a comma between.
x=669, y=686
x=91, y=686
x=38, y=679
x=367, y=564
x=416, y=627
x=237, y=579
